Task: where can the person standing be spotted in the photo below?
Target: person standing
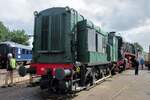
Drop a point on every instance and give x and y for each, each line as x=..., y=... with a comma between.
x=142, y=63
x=11, y=66
x=136, y=65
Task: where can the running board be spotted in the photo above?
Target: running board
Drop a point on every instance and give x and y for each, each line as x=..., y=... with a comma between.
x=78, y=89
x=100, y=80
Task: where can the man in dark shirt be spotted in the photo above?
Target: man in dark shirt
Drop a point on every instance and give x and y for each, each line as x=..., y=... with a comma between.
x=136, y=65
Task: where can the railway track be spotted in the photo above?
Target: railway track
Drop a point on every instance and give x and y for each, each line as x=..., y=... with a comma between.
x=47, y=95
x=51, y=96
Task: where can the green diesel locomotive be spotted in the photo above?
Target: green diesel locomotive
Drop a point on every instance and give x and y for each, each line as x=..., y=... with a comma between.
x=71, y=53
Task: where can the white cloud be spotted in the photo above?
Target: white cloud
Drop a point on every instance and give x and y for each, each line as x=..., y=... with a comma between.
x=19, y=13
x=129, y=16
x=139, y=34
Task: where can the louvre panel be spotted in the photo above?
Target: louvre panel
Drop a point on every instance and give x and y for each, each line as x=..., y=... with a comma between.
x=91, y=40
x=44, y=32
x=56, y=32
x=100, y=43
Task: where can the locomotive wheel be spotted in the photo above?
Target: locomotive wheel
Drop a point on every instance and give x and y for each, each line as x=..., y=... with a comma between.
x=101, y=74
x=108, y=71
x=44, y=83
x=96, y=74
x=120, y=69
x=89, y=80
x=58, y=86
x=105, y=72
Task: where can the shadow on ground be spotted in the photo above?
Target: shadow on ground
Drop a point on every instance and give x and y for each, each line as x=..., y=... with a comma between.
x=46, y=95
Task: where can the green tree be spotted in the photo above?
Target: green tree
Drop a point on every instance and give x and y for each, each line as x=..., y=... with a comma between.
x=138, y=46
x=18, y=36
x=3, y=31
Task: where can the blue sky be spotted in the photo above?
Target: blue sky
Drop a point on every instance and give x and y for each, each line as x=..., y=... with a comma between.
x=129, y=17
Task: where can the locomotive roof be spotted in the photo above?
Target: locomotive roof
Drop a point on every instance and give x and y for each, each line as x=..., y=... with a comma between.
x=89, y=23
x=13, y=44
x=53, y=8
